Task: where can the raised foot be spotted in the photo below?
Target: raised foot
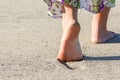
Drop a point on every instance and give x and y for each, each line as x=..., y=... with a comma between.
x=103, y=38
x=70, y=51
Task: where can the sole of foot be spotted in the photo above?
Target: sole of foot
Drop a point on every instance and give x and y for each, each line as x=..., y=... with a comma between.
x=70, y=51
x=65, y=61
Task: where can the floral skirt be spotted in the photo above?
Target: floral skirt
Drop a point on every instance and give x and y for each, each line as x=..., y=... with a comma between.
x=94, y=6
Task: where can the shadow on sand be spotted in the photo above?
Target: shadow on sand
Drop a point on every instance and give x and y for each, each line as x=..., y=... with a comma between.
x=107, y=58
x=115, y=39
x=89, y=58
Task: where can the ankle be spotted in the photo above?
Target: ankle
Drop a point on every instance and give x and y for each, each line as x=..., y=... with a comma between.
x=71, y=31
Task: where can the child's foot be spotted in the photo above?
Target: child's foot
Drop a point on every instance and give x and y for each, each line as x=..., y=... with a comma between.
x=70, y=51
x=103, y=37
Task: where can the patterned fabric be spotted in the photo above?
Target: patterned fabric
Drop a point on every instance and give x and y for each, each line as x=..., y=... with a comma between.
x=95, y=6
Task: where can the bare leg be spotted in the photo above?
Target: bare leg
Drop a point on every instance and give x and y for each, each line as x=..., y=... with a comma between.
x=99, y=27
x=70, y=49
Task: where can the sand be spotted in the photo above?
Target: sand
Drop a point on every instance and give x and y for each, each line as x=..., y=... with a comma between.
x=29, y=44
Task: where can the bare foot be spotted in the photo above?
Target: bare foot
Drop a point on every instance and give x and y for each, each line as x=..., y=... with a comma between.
x=70, y=51
x=103, y=37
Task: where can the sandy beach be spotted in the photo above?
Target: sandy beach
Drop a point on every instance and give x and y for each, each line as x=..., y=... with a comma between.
x=30, y=39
